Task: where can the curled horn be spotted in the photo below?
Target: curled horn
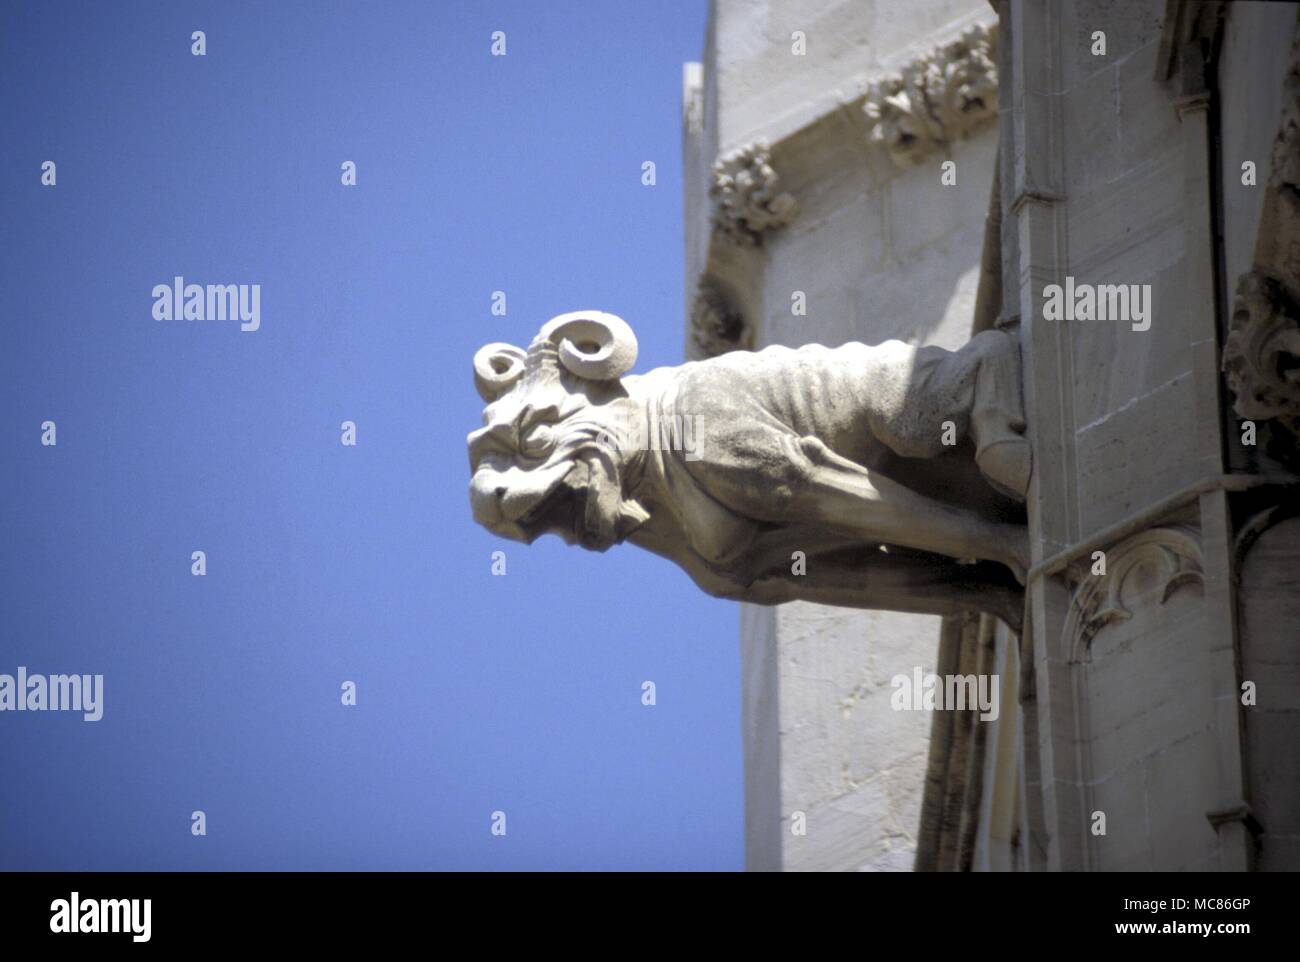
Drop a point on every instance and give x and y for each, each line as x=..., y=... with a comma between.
x=592, y=344
x=496, y=368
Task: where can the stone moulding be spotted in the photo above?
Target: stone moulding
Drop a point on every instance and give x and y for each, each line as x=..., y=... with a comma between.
x=936, y=99
x=1169, y=555
x=746, y=195
x=716, y=325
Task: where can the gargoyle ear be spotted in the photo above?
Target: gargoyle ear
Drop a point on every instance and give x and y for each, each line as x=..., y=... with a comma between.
x=496, y=369
x=592, y=344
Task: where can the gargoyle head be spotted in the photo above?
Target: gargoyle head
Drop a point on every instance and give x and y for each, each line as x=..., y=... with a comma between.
x=543, y=461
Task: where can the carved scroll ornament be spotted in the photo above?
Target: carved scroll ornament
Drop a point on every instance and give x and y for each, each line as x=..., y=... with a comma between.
x=1162, y=559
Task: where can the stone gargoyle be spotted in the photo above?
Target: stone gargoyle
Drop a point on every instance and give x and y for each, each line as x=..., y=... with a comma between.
x=886, y=476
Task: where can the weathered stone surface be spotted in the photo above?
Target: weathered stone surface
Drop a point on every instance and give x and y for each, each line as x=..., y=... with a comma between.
x=717, y=325
x=1252, y=106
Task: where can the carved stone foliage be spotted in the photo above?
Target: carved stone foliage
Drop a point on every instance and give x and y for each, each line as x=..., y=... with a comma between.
x=1164, y=559
x=751, y=471
x=716, y=326
x=1262, y=353
x=747, y=195
x=936, y=99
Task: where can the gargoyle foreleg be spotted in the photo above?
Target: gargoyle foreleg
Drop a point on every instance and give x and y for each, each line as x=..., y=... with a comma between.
x=997, y=420
x=975, y=388
x=846, y=496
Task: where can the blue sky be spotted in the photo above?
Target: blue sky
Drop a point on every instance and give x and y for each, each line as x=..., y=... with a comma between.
x=328, y=563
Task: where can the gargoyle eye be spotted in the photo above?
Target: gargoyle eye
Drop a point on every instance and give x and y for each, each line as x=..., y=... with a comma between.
x=539, y=439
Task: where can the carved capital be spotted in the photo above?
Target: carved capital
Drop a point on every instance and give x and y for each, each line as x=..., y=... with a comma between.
x=1164, y=558
x=1262, y=355
x=716, y=325
x=938, y=98
x=746, y=194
